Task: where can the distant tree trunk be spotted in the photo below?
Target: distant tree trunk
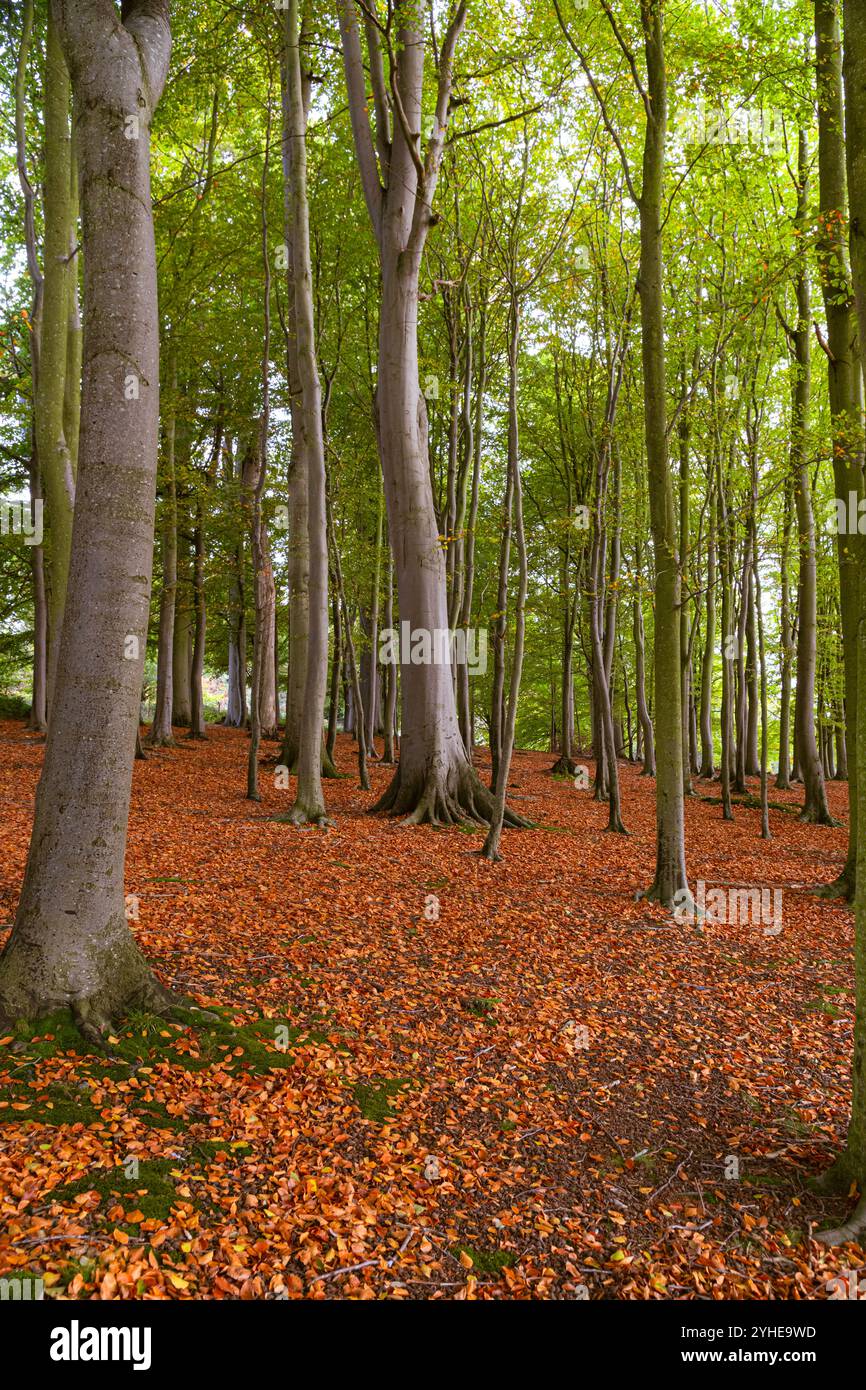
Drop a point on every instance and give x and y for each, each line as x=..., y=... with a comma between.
x=490, y=849
x=786, y=646
x=354, y=699
x=336, y=677
x=38, y=718
x=71, y=944
x=388, y=752
x=684, y=435
x=707, y=768
x=197, y=725
x=728, y=649
x=161, y=732
x=815, y=809
x=645, y=723
x=181, y=683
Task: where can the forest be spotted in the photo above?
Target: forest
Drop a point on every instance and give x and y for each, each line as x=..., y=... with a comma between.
x=432, y=616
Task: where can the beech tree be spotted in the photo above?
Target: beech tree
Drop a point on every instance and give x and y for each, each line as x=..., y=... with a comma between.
x=71, y=944
x=435, y=780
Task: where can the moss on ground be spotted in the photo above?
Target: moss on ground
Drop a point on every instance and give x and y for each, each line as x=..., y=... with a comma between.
x=374, y=1099
x=486, y=1261
x=150, y=1191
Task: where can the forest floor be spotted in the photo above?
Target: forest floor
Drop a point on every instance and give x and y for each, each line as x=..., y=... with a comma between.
x=550, y=1091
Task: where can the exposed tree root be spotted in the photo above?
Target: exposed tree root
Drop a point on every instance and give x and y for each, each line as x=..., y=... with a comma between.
x=615, y=825
x=307, y=815
x=564, y=767
x=836, y=1180
x=816, y=815
x=851, y=1230
x=841, y=889
x=442, y=798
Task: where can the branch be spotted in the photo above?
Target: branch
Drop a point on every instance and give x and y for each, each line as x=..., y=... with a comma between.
x=608, y=124
x=433, y=157
x=359, y=115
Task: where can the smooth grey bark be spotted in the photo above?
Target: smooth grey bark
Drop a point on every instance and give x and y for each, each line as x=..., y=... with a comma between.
x=161, y=733
x=38, y=717
x=707, y=762
x=643, y=714
x=71, y=945
x=467, y=579
x=52, y=445
x=490, y=848
x=354, y=699
x=299, y=526
x=815, y=808
x=786, y=642
x=181, y=653
x=197, y=722
x=390, y=716
x=309, y=805
x=435, y=781
x=336, y=679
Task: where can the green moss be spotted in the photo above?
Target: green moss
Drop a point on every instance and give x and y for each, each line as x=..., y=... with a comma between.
x=204, y=1151
x=154, y=1114
x=145, y=1039
x=486, y=1261
x=151, y=1191
x=374, y=1100
x=58, y=1104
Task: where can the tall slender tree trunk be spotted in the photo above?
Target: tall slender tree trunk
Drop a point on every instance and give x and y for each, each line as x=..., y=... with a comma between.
x=54, y=449
x=670, y=883
x=490, y=849
x=707, y=767
x=309, y=806
x=843, y=378
x=161, y=732
x=815, y=809
x=786, y=645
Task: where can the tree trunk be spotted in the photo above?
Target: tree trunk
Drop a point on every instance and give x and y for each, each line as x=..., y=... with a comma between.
x=435, y=780
x=844, y=382
x=815, y=809
x=71, y=944
x=161, y=733
x=52, y=446
x=786, y=646
x=309, y=806
x=850, y=1167
x=669, y=883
